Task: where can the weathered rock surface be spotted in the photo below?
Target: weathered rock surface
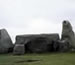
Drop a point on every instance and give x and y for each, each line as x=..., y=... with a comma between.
x=6, y=44
x=63, y=46
x=19, y=49
x=68, y=34
x=40, y=43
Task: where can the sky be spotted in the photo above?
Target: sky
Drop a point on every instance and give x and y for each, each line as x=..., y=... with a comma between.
x=35, y=16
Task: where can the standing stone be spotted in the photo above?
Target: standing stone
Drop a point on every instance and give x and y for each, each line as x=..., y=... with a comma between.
x=68, y=34
x=56, y=46
x=39, y=43
x=19, y=49
x=63, y=46
x=6, y=44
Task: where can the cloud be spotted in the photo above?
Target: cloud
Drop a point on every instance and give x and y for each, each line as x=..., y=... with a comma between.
x=35, y=16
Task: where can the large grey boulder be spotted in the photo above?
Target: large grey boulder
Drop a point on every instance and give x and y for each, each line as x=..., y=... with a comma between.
x=61, y=46
x=26, y=38
x=68, y=34
x=39, y=43
x=19, y=49
x=6, y=44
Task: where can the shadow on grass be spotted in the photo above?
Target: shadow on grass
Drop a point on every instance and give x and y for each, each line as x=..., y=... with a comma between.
x=30, y=60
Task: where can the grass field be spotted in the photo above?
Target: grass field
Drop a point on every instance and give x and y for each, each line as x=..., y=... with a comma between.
x=38, y=59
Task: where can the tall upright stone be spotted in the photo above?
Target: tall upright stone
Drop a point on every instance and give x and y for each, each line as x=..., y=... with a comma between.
x=6, y=44
x=68, y=34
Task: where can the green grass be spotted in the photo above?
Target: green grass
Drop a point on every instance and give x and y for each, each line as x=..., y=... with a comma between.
x=45, y=59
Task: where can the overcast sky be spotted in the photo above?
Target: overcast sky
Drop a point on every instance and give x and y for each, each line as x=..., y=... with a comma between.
x=35, y=16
